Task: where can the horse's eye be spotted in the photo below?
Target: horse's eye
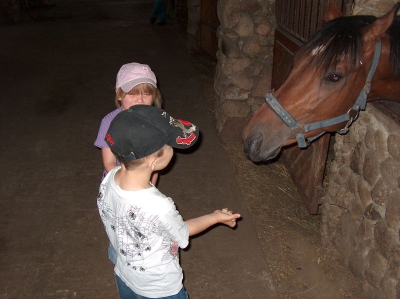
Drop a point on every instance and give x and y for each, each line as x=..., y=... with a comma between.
x=334, y=78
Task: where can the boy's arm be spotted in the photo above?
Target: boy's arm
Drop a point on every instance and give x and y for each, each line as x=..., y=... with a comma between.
x=199, y=224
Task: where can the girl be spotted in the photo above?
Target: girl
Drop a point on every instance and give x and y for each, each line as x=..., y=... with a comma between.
x=136, y=85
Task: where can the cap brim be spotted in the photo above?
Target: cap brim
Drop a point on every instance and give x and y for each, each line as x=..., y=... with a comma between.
x=183, y=134
x=126, y=87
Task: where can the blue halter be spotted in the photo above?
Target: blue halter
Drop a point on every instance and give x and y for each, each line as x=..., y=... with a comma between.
x=301, y=129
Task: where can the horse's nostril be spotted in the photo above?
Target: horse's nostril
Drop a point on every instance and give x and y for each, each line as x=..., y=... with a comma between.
x=252, y=144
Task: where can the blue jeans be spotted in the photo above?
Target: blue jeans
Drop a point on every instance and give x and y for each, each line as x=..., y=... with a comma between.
x=112, y=254
x=126, y=293
x=160, y=10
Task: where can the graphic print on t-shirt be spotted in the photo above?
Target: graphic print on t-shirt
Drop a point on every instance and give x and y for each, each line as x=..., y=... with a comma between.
x=134, y=231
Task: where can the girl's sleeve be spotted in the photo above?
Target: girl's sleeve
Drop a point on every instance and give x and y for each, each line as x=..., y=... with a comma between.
x=105, y=124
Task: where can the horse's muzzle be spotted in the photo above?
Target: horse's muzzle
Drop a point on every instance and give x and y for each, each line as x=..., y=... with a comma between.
x=252, y=146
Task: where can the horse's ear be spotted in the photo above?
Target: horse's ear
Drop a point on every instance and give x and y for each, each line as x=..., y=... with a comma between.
x=333, y=12
x=374, y=31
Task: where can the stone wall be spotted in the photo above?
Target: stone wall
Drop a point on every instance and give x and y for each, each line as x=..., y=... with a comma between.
x=244, y=67
x=361, y=206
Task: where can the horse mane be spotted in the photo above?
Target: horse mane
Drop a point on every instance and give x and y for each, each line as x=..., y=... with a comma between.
x=342, y=38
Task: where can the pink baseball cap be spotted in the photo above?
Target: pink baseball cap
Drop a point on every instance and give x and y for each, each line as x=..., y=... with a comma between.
x=132, y=74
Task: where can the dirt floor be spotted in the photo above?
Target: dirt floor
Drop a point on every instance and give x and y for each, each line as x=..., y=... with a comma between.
x=289, y=235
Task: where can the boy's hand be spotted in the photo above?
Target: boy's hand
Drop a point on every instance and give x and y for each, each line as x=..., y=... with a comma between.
x=226, y=217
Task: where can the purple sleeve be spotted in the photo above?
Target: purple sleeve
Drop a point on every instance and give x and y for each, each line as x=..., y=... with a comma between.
x=105, y=124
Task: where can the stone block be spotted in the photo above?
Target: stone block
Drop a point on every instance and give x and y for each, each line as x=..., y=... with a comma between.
x=342, y=176
x=229, y=47
x=394, y=263
x=252, y=45
x=371, y=167
x=369, y=292
x=389, y=287
x=393, y=145
x=262, y=19
x=262, y=85
x=357, y=158
x=390, y=170
x=358, y=130
x=380, y=137
x=344, y=239
x=228, y=12
x=383, y=6
x=374, y=212
x=244, y=81
x=234, y=93
x=385, y=238
x=376, y=269
x=229, y=33
x=232, y=66
x=370, y=138
x=245, y=25
x=357, y=263
x=250, y=5
x=235, y=109
x=393, y=211
x=381, y=192
x=366, y=233
x=364, y=191
x=263, y=29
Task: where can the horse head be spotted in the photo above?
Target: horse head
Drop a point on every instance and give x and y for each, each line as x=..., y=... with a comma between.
x=330, y=75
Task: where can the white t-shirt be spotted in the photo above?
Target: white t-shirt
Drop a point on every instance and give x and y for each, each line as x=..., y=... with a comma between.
x=146, y=230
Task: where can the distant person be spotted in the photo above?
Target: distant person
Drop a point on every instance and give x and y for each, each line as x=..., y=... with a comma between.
x=136, y=84
x=141, y=222
x=159, y=12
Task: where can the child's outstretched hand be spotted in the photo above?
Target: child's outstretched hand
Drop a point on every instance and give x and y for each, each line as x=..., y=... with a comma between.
x=227, y=217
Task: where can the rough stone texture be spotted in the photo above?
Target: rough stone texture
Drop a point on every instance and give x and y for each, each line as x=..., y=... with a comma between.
x=372, y=7
x=393, y=211
x=244, y=65
x=245, y=25
x=235, y=109
x=366, y=176
x=393, y=144
x=377, y=266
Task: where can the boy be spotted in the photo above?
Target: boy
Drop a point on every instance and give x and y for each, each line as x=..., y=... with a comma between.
x=141, y=222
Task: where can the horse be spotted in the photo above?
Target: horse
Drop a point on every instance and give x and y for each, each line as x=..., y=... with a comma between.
x=350, y=61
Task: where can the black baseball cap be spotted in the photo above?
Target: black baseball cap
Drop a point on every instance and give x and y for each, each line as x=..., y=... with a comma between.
x=142, y=130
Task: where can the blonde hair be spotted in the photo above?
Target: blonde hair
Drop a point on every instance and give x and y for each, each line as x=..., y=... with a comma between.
x=143, y=88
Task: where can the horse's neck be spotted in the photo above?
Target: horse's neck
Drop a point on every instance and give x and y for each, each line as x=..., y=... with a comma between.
x=384, y=86
x=385, y=90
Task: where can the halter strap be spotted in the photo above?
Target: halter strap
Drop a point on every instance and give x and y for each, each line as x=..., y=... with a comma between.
x=301, y=129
